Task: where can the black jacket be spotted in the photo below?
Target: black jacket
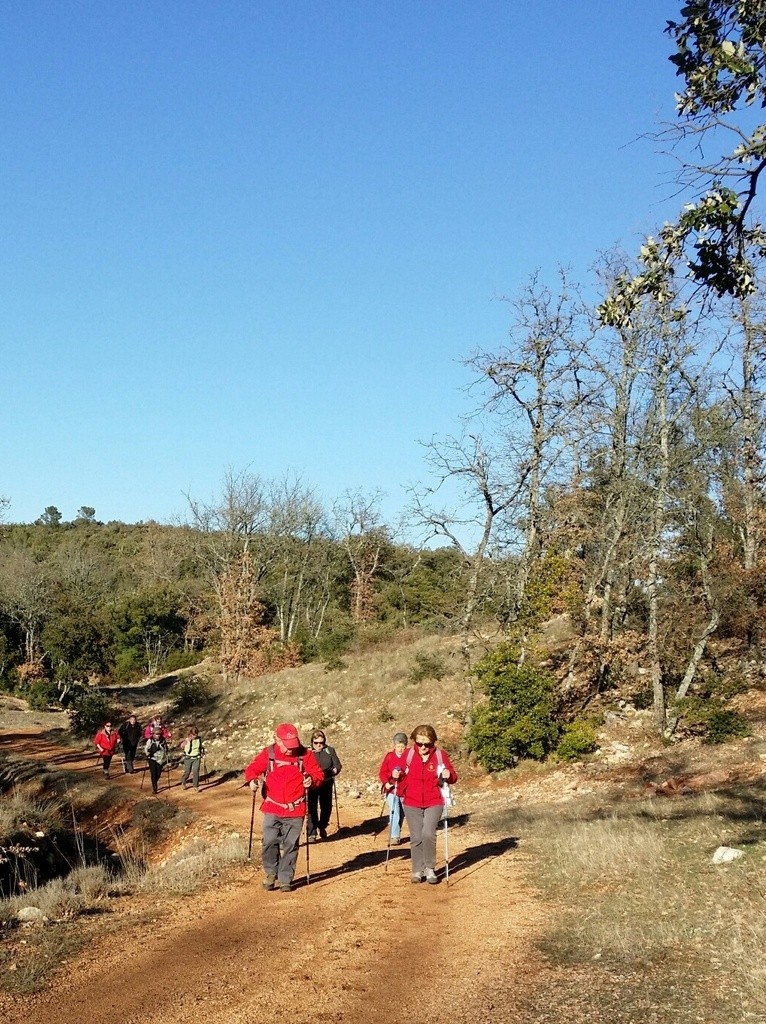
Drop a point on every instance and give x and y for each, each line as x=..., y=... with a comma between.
x=130, y=734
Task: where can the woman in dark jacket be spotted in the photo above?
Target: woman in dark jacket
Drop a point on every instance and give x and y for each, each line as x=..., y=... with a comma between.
x=320, y=799
x=156, y=750
x=424, y=791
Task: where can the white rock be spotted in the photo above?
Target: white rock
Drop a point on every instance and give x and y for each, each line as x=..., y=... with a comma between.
x=30, y=914
x=726, y=854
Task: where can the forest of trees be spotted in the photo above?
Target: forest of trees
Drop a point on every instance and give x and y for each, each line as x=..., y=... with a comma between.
x=612, y=470
x=261, y=577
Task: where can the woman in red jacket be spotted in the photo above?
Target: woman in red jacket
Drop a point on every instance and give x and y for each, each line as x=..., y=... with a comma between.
x=391, y=770
x=106, y=741
x=427, y=776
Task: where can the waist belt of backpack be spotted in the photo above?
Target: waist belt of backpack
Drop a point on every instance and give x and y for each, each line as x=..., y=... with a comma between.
x=287, y=807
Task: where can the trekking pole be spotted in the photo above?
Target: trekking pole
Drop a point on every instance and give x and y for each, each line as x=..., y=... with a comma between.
x=204, y=769
x=335, y=800
x=167, y=765
x=308, y=871
x=143, y=775
x=446, y=849
x=390, y=823
x=252, y=819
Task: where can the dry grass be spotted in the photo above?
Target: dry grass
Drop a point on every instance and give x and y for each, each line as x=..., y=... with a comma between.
x=636, y=895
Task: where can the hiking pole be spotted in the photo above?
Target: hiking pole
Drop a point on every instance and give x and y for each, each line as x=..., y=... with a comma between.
x=308, y=872
x=143, y=775
x=335, y=800
x=390, y=823
x=446, y=850
x=204, y=770
x=167, y=765
x=252, y=819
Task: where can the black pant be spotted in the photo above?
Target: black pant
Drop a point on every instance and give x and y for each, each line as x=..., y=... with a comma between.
x=320, y=807
x=155, y=773
x=129, y=753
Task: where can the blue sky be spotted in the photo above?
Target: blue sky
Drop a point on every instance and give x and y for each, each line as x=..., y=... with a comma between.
x=265, y=234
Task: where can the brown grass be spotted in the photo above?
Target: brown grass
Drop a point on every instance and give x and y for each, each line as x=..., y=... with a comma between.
x=636, y=895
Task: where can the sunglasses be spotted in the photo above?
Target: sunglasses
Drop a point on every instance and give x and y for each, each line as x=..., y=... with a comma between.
x=418, y=744
x=318, y=743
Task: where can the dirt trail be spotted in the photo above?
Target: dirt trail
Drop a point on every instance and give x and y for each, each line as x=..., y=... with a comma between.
x=357, y=943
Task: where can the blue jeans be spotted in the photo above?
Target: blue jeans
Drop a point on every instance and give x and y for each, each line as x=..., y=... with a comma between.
x=396, y=814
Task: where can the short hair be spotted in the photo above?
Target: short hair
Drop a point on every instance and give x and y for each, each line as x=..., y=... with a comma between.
x=194, y=731
x=424, y=730
x=317, y=734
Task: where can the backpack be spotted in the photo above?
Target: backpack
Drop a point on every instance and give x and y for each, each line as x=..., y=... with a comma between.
x=274, y=763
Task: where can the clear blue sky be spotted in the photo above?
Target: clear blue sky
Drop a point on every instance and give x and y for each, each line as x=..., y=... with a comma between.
x=264, y=234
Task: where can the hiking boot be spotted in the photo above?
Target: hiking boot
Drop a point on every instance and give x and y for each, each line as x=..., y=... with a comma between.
x=323, y=833
x=285, y=886
x=312, y=838
x=269, y=882
x=395, y=840
x=417, y=876
x=431, y=876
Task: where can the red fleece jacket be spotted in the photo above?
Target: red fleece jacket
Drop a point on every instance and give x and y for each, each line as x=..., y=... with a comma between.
x=284, y=785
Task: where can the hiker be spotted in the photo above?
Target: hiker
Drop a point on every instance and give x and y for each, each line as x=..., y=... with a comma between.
x=320, y=800
x=193, y=753
x=390, y=773
x=157, y=723
x=130, y=734
x=156, y=750
x=427, y=773
x=106, y=741
x=289, y=770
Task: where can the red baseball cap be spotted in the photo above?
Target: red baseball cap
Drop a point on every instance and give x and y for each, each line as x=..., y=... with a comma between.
x=288, y=734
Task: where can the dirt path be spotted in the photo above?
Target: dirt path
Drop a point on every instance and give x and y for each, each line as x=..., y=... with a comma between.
x=358, y=943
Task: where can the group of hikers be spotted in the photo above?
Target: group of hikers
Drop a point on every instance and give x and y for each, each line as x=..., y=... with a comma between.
x=154, y=739
x=297, y=784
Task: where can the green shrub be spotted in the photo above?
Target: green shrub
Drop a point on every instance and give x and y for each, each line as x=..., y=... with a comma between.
x=178, y=659
x=518, y=719
x=724, y=725
x=89, y=711
x=40, y=694
x=578, y=738
x=710, y=718
x=642, y=700
x=427, y=666
x=192, y=691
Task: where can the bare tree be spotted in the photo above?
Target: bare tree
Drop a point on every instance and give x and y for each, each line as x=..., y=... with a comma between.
x=486, y=493
x=364, y=537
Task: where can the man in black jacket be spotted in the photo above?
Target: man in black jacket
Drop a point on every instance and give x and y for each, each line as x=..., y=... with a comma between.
x=130, y=733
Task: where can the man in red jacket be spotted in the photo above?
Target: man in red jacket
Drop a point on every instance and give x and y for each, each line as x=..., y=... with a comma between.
x=289, y=770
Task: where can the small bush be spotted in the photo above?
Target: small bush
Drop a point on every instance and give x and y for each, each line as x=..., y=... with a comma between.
x=192, y=691
x=89, y=711
x=40, y=694
x=178, y=659
x=578, y=738
x=724, y=725
x=710, y=718
x=518, y=720
x=385, y=714
x=643, y=700
x=427, y=666
x=335, y=664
